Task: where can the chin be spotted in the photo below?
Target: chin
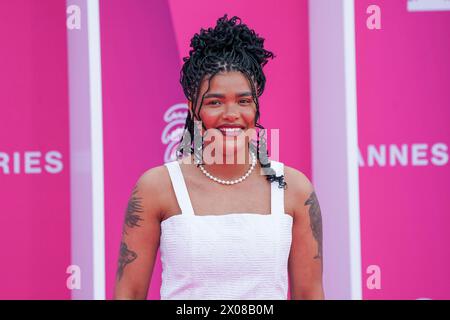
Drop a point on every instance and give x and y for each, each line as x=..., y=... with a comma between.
x=234, y=148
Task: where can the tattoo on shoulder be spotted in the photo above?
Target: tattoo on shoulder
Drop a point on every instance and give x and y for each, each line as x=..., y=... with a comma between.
x=134, y=209
x=126, y=256
x=315, y=217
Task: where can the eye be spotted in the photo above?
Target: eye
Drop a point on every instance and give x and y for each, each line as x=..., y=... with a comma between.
x=245, y=101
x=214, y=103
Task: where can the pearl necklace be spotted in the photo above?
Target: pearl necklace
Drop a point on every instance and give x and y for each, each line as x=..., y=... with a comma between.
x=231, y=182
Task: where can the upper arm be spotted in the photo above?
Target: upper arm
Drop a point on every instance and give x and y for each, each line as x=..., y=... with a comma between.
x=140, y=238
x=305, y=259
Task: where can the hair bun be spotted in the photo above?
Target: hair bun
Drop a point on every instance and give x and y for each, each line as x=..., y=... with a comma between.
x=230, y=35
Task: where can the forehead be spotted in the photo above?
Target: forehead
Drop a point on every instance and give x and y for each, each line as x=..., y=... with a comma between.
x=226, y=82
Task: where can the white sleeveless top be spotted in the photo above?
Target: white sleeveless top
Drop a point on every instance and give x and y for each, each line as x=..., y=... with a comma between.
x=228, y=256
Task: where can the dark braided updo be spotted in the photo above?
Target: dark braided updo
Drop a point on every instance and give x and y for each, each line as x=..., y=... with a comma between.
x=229, y=46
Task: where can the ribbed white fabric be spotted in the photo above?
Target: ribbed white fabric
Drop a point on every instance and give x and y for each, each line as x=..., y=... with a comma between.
x=228, y=256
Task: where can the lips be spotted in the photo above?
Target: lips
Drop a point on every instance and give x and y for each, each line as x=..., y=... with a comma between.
x=231, y=132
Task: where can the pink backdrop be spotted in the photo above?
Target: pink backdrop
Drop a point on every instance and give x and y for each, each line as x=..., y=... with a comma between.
x=403, y=77
x=142, y=46
x=34, y=201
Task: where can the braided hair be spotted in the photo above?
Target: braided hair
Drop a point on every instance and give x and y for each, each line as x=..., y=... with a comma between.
x=229, y=46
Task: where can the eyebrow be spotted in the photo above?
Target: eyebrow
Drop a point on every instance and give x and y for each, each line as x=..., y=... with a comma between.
x=220, y=95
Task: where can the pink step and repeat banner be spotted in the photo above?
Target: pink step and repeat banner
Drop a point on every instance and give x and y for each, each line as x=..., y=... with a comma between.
x=403, y=82
x=34, y=150
x=403, y=78
x=143, y=43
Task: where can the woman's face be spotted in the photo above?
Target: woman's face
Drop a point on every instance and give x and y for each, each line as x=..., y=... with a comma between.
x=228, y=103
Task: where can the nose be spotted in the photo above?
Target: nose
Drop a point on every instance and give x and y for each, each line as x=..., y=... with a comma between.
x=231, y=112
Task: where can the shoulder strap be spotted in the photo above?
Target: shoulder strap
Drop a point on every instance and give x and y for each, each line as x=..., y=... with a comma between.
x=179, y=187
x=277, y=194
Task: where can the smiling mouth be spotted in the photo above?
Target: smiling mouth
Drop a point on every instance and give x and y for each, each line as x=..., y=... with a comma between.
x=231, y=132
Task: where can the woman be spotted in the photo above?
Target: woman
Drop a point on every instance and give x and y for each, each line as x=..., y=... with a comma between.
x=226, y=229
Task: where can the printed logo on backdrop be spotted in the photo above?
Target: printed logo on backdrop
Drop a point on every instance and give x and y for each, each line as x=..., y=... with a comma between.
x=416, y=154
x=373, y=21
x=73, y=282
x=73, y=21
x=373, y=280
x=31, y=162
x=175, y=118
x=428, y=5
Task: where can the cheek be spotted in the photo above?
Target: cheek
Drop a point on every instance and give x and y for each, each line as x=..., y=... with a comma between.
x=209, y=117
x=249, y=117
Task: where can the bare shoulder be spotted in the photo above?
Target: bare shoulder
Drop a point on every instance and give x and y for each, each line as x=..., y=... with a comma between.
x=297, y=182
x=151, y=187
x=153, y=178
x=299, y=189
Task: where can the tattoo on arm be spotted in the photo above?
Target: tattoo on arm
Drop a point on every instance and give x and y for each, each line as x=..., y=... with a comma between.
x=315, y=217
x=134, y=208
x=126, y=256
x=132, y=219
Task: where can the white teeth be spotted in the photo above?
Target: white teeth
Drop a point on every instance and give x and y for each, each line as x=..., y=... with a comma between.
x=231, y=129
